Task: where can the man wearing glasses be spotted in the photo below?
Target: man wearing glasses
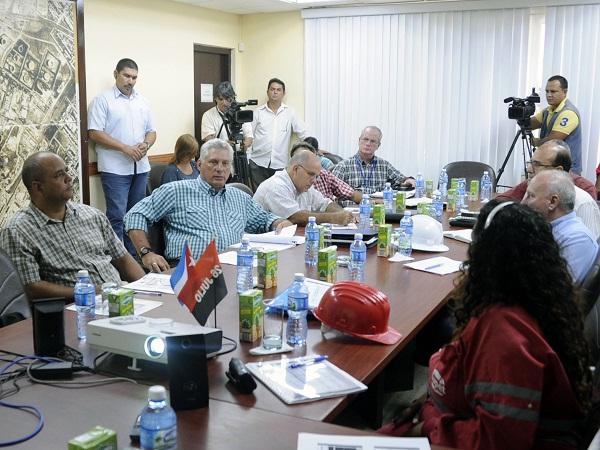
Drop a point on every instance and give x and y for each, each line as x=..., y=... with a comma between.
x=556, y=155
x=290, y=193
x=365, y=171
x=197, y=211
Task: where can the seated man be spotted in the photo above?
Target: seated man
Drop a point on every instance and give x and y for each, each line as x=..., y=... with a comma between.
x=198, y=211
x=367, y=172
x=326, y=163
x=290, y=192
x=326, y=183
x=552, y=194
x=555, y=155
x=53, y=238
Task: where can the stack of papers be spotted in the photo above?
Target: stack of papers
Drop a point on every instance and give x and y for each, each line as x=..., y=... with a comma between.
x=460, y=235
x=439, y=265
x=152, y=282
x=309, y=441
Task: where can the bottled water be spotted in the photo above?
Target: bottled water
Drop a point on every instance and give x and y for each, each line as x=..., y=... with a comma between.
x=461, y=189
x=406, y=225
x=158, y=422
x=403, y=242
x=443, y=185
x=364, y=210
x=311, y=250
x=419, y=186
x=245, y=266
x=388, y=197
x=297, y=311
x=437, y=206
x=85, y=302
x=358, y=258
x=486, y=187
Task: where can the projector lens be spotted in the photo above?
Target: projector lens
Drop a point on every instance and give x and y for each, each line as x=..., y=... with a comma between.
x=154, y=346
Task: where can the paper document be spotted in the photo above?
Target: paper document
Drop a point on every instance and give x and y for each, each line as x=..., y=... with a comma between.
x=439, y=265
x=460, y=235
x=272, y=238
x=413, y=202
x=379, y=194
x=316, y=289
x=152, y=282
x=140, y=306
x=400, y=258
x=310, y=441
x=294, y=380
x=350, y=226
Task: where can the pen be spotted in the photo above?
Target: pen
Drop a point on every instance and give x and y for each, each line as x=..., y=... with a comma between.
x=157, y=294
x=307, y=362
x=434, y=266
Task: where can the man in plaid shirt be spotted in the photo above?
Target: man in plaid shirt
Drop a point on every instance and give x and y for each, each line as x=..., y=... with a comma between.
x=367, y=172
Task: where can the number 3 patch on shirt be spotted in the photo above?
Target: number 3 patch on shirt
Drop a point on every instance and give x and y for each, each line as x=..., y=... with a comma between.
x=564, y=122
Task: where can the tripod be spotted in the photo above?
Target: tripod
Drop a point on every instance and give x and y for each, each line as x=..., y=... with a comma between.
x=241, y=171
x=526, y=143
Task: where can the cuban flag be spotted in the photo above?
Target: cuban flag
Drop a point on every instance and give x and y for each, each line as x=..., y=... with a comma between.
x=199, y=285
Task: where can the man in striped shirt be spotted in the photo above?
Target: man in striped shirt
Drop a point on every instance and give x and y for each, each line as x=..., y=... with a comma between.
x=198, y=211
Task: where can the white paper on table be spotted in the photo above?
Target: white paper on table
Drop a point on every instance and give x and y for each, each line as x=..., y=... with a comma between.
x=272, y=238
x=311, y=441
x=439, y=265
x=412, y=202
x=316, y=290
x=379, y=194
x=460, y=235
x=152, y=282
x=400, y=258
x=140, y=306
x=350, y=226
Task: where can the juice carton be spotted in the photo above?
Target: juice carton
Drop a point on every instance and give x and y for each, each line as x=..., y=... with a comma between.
x=251, y=312
x=400, y=202
x=120, y=302
x=98, y=438
x=327, y=264
x=474, y=191
x=267, y=269
x=428, y=188
x=384, y=240
x=378, y=215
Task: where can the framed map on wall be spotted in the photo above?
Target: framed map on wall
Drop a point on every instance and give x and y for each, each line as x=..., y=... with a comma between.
x=39, y=91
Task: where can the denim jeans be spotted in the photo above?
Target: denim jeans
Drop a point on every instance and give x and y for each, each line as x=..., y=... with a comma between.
x=121, y=192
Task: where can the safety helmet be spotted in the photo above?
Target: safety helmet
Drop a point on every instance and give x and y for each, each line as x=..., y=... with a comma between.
x=357, y=309
x=428, y=234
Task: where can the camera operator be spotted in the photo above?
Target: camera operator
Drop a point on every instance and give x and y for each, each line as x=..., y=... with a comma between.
x=212, y=120
x=560, y=120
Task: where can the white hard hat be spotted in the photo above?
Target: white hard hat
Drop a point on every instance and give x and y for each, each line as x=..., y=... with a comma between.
x=428, y=234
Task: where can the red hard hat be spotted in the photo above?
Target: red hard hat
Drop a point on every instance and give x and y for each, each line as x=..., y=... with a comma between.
x=357, y=309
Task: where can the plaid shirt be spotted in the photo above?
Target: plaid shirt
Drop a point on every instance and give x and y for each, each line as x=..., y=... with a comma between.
x=368, y=178
x=192, y=210
x=332, y=187
x=45, y=249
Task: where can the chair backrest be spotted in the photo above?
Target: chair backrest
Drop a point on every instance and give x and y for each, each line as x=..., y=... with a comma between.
x=154, y=179
x=471, y=170
x=14, y=305
x=590, y=285
x=333, y=157
x=242, y=187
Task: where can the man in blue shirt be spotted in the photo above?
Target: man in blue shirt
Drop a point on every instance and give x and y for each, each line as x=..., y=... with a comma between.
x=552, y=194
x=198, y=211
x=121, y=125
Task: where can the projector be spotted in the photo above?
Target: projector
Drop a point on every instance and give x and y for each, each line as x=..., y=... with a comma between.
x=145, y=338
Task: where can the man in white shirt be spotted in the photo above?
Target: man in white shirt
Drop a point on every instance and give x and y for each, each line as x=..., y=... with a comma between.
x=272, y=127
x=120, y=123
x=290, y=193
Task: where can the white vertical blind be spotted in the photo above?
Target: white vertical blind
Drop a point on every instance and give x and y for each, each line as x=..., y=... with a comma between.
x=433, y=82
x=572, y=49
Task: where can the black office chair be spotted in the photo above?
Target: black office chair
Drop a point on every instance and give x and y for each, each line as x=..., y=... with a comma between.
x=471, y=170
x=333, y=157
x=14, y=305
x=242, y=187
x=155, y=177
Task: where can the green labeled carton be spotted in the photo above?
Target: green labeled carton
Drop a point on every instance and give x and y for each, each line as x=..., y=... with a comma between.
x=267, y=269
x=384, y=240
x=327, y=264
x=120, y=302
x=98, y=438
x=378, y=215
x=400, y=202
x=251, y=312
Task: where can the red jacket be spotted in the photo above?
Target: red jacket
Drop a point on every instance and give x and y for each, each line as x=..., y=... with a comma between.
x=518, y=192
x=498, y=386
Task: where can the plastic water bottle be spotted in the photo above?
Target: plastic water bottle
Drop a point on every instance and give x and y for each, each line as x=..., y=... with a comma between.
x=388, y=197
x=437, y=206
x=486, y=187
x=297, y=311
x=443, y=184
x=245, y=266
x=358, y=258
x=419, y=186
x=85, y=302
x=158, y=422
x=311, y=250
x=364, y=210
x=406, y=225
x=460, y=193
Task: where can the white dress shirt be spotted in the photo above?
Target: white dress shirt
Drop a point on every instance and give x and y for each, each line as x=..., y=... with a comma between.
x=211, y=124
x=587, y=210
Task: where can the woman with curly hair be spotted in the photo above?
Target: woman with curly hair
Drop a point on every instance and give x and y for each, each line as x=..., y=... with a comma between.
x=516, y=374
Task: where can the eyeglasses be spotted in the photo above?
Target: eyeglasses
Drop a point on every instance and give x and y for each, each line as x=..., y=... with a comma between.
x=535, y=163
x=312, y=175
x=213, y=163
x=369, y=141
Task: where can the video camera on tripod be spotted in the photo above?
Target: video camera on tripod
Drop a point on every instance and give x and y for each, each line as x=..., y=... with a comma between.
x=235, y=117
x=522, y=108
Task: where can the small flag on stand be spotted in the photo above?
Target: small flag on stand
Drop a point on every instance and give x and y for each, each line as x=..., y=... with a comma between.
x=199, y=285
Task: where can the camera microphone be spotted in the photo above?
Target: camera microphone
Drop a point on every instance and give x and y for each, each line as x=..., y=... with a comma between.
x=509, y=99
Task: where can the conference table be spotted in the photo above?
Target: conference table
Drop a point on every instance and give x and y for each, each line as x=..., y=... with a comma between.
x=233, y=419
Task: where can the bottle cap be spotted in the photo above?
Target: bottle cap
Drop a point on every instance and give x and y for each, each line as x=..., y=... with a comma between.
x=388, y=184
x=312, y=219
x=245, y=240
x=358, y=236
x=406, y=213
x=83, y=273
x=298, y=276
x=157, y=393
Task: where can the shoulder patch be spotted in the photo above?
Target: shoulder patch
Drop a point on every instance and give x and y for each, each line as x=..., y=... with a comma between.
x=564, y=121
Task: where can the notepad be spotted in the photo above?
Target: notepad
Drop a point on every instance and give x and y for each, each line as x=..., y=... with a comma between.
x=460, y=235
x=439, y=265
x=306, y=383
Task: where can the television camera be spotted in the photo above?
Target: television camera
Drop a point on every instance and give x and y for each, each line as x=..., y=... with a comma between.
x=233, y=119
x=522, y=108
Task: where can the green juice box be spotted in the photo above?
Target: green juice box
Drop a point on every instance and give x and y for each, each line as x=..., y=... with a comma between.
x=251, y=312
x=384, y=239
x=451, y=205
x=378, y=214
x=400, y=202
x=120, y=302
x=321, y=236
x=267, y=269
x=98, y=438
x=327, y=264
x=474, y=190
x=454, y=183
x=428, y=188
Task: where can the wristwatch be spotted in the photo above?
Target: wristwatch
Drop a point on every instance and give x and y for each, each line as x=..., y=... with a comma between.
x=144, y=251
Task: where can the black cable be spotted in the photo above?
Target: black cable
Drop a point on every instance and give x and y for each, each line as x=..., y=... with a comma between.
x=233, y=344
